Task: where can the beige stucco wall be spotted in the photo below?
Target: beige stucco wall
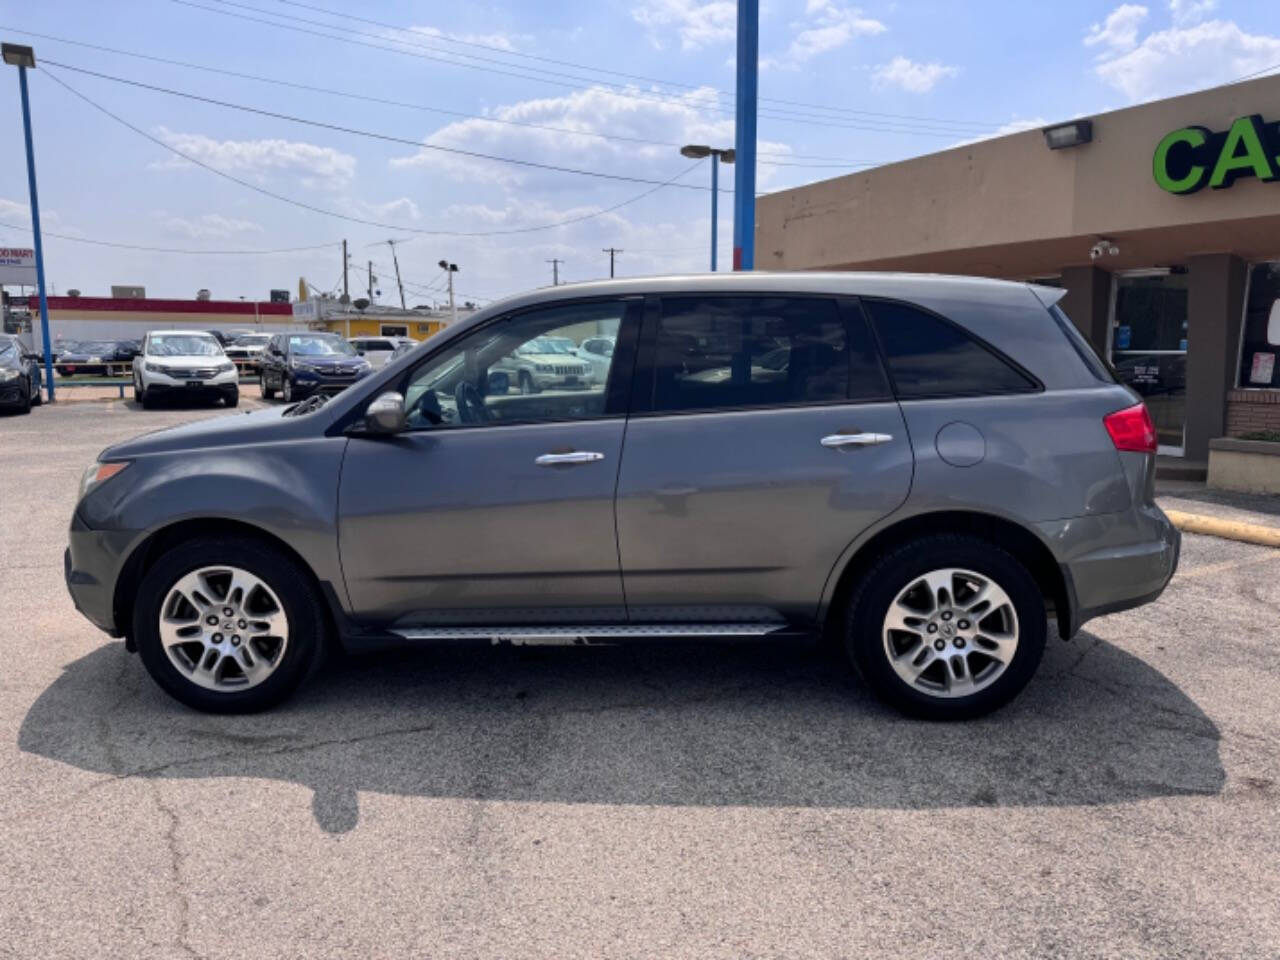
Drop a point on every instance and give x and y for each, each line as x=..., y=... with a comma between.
x=1011, y=206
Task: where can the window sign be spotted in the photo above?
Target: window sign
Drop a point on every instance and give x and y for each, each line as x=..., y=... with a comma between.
x=1260, y=338
x=1124, y=336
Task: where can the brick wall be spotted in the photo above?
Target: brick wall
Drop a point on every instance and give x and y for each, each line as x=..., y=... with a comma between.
x=1251, y=410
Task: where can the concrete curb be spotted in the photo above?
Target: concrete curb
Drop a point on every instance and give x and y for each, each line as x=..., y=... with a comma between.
x=1226, y=529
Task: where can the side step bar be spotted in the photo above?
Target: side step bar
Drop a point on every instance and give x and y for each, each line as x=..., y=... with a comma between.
x=586, y=633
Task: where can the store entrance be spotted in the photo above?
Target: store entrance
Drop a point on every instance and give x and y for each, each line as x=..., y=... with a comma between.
x=1149, y=347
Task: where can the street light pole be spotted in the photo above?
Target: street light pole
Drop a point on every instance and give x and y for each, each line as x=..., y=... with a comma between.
x=23, y=57
x=744, y=181
x=449, y=270
x=695, y=151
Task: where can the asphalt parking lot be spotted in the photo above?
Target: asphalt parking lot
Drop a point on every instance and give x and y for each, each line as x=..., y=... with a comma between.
x=706, y=801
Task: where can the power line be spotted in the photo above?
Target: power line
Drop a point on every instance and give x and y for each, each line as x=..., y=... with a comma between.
x=342, y=216
x=329, y=91
x=593, y=69
x=180, y=250
x=369, y=134
x=942, y=128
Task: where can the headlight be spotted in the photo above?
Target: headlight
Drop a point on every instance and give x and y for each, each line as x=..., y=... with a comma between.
x=226, y=367
x=301, y=365
x=543, y=367
x=156, y=368
x=7, y=375
x=99, y=473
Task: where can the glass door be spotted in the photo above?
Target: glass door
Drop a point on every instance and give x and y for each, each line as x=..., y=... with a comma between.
x=1149, y=347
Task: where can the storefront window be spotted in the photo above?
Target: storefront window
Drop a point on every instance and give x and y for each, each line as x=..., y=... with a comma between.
x=1149, y=348
x=1261, y=335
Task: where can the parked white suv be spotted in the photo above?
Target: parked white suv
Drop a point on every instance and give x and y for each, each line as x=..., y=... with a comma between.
x=187, y=363
x=377, y=350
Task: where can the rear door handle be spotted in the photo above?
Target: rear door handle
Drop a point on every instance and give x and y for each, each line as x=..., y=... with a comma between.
x=576, y=456
x=855, y=439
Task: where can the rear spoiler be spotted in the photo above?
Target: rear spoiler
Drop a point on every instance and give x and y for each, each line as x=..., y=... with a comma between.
x=1047, y=295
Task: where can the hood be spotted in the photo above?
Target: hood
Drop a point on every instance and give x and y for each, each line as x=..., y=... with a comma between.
x=260, y=426
x=187, y=363
x=329, y=360
x=550, y=358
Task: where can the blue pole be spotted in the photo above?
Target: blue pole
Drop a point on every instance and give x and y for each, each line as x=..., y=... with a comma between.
x=744, y=168
x=715, y=205
x=35, y=230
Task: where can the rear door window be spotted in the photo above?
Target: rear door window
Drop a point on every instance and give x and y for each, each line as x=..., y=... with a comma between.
x=932, y=357
x=714, y=353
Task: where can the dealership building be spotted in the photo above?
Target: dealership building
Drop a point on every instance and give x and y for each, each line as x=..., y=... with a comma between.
x=1161, y=221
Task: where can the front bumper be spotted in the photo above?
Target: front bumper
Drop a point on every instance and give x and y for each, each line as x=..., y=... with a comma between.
x=306, y=382
x=13, y=393
x=91, y=566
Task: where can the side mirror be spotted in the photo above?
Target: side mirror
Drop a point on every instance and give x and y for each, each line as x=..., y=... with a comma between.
x=386, y=414
x=499, y=383
x=33, y=356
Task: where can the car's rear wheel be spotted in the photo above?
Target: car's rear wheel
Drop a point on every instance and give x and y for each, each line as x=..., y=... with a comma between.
x=228, y=624
x=947, y=627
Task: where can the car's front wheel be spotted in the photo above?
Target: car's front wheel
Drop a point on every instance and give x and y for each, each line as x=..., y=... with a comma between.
x=228, y=624
x=286, y=389
x=268, y=393
x=947, y=627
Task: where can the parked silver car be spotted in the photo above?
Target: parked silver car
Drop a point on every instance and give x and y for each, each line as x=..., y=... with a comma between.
x=544, y=364
x=935, y=468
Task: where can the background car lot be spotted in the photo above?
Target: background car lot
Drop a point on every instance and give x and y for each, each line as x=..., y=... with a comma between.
x=679, y=801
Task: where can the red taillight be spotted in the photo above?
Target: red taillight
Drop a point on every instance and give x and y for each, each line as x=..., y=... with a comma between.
x=1132, y=429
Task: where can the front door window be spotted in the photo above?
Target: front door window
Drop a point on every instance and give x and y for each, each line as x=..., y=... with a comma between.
x=1149, y=348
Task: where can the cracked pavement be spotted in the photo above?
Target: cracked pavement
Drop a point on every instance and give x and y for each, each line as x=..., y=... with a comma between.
x=702, y=801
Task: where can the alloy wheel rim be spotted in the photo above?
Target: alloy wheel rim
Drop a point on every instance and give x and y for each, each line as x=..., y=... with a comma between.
x=950, y=633
x=224, y=628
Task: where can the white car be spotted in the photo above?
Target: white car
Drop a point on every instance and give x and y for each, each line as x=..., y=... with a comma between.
x=246, y=350
x=598, y=352
x=378, y=350
x=184, y=363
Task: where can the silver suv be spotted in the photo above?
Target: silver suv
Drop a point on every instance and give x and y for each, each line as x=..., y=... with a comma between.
x=926, y=470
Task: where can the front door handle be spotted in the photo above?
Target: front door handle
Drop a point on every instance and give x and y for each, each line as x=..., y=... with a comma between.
x=576, y=456
x=856, y=439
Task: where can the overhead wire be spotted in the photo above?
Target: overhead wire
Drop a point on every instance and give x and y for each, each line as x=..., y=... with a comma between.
x=762, y=154
x=657, y=185
x=174, y=250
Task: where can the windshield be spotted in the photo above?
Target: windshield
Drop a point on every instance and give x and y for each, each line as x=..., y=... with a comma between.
x=184, y=345
x=5, y=347
x=545, y=345
x=252, y=340
x=94, y=346
x=320, y=347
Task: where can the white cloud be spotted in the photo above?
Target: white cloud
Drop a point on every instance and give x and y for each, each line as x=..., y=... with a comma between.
x=500, y=40
x=696, y=24
x=910, y=76
x=1119, y=31
x=1187, y=12
x=1178, y=59
x=315, y=166
x=209, y=226
x=829, y=27
x=685, y=119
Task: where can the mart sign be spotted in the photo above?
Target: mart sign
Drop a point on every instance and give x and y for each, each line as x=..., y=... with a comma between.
x=18, y=265
x=1195, y=157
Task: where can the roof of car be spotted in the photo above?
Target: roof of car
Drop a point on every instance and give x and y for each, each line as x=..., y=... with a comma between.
x=843, y=282
x=181, y=333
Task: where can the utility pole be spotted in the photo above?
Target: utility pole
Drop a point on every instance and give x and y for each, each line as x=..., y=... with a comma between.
x=346, y=294
x=555, y=271
x=372, y=278
x=612, y=252
x=449, y=270
x=396, y=261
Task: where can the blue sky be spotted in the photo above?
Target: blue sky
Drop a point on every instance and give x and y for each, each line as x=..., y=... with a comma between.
x=850, y=75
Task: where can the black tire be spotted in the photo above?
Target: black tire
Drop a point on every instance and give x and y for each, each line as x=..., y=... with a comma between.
x=37, y=398
x=286, y=388
x=526, y=383
x=137, y=390
x=268, y=393
x=893, y=572
x=26, y=404
x=232, y=399
x=294, y=587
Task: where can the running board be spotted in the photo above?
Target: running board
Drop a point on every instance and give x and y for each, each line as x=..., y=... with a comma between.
x=587, y=633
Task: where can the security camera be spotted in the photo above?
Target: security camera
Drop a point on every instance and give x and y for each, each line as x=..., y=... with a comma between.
x=1103, y=248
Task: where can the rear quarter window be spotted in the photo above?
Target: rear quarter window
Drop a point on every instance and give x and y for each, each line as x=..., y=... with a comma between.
x=928, y=356
x=1093, y=363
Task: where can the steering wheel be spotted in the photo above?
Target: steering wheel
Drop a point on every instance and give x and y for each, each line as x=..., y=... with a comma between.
x=471, y=408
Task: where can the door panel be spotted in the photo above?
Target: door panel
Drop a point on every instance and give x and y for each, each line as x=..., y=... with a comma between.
x=463, y=526
x=747, y=511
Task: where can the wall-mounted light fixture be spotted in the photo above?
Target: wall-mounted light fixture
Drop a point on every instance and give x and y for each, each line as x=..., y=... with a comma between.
x=1073, y=134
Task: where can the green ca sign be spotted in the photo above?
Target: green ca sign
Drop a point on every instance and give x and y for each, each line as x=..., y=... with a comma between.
x=1195, y=157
